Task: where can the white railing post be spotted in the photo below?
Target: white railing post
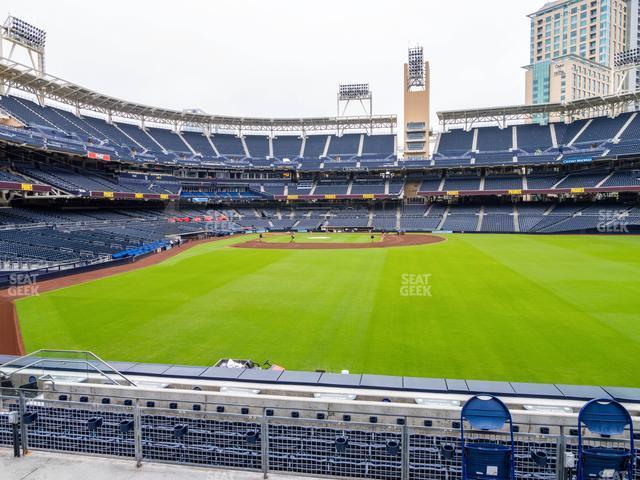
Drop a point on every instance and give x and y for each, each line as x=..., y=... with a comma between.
x=264, y=444
x=405, y=450
x=137, y=434
x=23, y=427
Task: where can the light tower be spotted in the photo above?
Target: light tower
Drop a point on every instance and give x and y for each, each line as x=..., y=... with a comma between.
x=17, y=35
x=623, y=69
x=416, y=105
x=355, y=92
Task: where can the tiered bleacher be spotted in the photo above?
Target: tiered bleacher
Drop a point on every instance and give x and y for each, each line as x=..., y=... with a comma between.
x=55, y=129
x=32, y=238
x=531, y=144
x=528, y=178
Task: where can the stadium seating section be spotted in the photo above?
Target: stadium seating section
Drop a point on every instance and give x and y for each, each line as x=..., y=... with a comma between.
x=305, y=447
x=39, y=238
x=57, y=129
x=582, y=176
x=533, y=144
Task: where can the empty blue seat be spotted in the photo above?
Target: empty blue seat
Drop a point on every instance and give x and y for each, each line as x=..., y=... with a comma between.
x=486, y=460
x=604, y=417
x=595, y=461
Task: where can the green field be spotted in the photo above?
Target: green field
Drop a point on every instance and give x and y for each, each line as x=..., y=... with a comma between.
x=563, y=309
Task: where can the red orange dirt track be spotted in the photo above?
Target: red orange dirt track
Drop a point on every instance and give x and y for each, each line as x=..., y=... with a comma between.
x=386, y=242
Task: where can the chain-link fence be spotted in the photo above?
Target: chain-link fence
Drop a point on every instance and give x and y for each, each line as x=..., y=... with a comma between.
x=217, y=440
x=336, y=449
x=308, y=445
x=80, y=427
x=602, y=441
x=436, y=453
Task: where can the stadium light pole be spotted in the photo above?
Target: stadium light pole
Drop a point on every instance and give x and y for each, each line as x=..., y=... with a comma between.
x=358, y=92
x=16, y=35
x=623, y=63
x=416, y=104
x=417, y=74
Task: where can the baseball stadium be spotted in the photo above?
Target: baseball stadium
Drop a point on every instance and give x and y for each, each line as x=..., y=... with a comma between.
x=376, y=296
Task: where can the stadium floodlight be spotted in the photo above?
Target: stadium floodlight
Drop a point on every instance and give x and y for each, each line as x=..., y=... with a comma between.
x=22, y=37
x=24, y=33
x=354, y=91
x=416, y=67
x=627, y=58
x=624, y=63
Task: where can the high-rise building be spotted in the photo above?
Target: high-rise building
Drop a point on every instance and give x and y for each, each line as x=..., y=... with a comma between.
x=633, y=15
x=416, y=105
x=573, y=43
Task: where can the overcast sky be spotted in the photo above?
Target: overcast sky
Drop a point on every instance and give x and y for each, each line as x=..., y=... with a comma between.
x=280, y=58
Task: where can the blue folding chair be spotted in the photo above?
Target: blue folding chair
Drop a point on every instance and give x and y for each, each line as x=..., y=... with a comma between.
x=486, y=460
x=604, y=417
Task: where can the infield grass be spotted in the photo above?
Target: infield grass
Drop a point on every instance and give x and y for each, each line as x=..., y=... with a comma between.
x=562, y=309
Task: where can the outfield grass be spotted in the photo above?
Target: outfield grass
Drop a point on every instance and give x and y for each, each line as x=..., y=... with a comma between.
x=561, y=309
x=322, y=237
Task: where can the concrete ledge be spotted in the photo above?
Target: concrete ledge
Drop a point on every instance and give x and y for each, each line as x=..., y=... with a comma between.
x=57, y=466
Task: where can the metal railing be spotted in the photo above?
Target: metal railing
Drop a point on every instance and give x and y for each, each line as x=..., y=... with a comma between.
x=208, y=436
x=76, y=360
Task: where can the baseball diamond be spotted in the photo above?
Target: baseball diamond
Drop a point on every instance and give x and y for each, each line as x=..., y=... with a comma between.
x=219, y=261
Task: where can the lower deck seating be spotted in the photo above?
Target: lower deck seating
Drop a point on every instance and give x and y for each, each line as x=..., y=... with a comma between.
x=38, y=237
x=66, y=236
x=283, y=224
x=461, y=223
x=528, y=223
x=302, y=446
x=386, y=223
x=498, y=223
x=419, y=224
x=348, y=222
x=309, y=223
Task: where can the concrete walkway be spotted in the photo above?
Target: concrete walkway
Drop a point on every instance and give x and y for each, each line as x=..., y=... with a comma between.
x=54, y=466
